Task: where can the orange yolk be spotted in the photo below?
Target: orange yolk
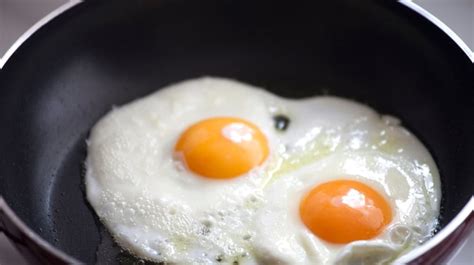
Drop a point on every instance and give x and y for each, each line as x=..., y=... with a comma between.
x=222, y=148
x=343, y=211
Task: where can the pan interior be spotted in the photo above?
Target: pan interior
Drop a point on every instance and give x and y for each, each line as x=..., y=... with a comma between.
x=99, y=54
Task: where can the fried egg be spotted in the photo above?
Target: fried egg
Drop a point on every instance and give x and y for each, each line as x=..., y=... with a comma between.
x=162, y=170
x=355, y=188
x=204, y=172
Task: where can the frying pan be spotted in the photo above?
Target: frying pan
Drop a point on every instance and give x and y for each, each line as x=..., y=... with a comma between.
x=71, y=71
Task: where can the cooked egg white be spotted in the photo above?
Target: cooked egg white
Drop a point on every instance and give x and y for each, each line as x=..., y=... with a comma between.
x=159, y=210
x=353, y=143
x=153, y=206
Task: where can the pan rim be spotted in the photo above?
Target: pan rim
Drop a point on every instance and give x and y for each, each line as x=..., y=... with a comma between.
x=440, y=236
x=27, y=232
x=35, y=27
x=71, y=3
x=441, y=25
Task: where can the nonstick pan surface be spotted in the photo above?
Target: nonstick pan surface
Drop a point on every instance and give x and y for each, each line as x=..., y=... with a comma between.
x=104, y=53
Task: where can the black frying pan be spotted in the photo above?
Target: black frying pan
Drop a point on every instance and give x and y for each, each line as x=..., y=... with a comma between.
x=100, y=53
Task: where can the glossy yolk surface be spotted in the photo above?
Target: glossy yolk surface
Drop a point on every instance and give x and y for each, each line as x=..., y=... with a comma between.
x=222, y=148
x=343, y=211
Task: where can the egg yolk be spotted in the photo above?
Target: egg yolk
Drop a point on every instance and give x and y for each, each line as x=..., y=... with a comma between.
x=343, y=211
x=222, y=148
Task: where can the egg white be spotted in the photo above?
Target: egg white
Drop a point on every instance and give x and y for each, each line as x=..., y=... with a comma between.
x=152, y=205
x=155, y=208
x=354, y=142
